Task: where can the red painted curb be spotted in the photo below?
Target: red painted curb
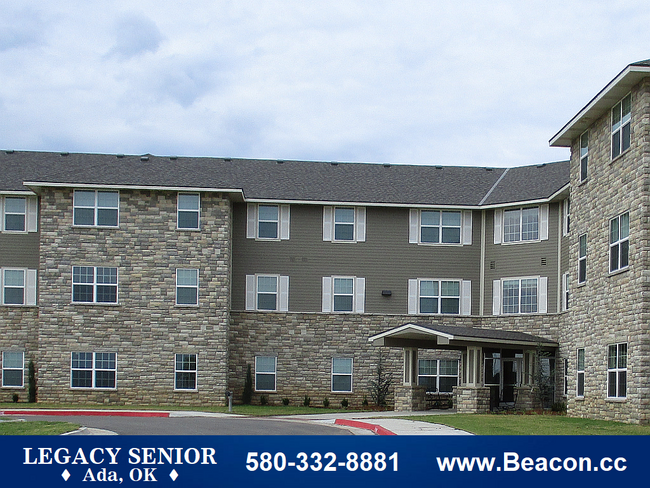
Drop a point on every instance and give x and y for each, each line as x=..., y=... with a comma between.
x=90, y=413
x=377, y=429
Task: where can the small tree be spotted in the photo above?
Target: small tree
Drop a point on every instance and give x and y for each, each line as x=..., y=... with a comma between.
x=31, y=378
x=544, y=377
x=380, y=386
x=247, y=396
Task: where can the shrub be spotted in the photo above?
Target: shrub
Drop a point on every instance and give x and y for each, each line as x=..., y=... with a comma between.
x=247, y=396
x=15, y=397
x=31, y=378
x=264, y=400
x=559, y=407
x=365, y=401
x=380, y=386
x=326, y=402
x=306, y=401
x=345, y=403
x=285, y=401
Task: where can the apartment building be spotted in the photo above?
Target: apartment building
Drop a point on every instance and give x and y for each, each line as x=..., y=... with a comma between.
x=145, y=279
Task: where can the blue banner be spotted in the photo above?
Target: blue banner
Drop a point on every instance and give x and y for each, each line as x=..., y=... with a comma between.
x=315, y=461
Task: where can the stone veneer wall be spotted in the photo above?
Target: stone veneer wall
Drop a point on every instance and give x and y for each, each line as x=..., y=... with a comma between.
x=305, y=344
x=146, y=329
x=19, y=327
x=472, y=399
x=410, y=398
x=611, y=308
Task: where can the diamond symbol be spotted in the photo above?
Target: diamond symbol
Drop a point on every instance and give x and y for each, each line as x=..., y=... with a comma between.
x=65, y=475
x=173, y=475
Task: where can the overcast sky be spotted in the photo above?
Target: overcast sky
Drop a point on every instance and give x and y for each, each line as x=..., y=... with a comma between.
x=476, y=83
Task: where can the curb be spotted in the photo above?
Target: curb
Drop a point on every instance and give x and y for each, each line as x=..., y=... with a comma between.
x=377, y=429
x=90, y=413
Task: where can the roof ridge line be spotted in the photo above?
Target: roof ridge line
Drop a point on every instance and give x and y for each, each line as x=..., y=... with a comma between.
x=496, y=183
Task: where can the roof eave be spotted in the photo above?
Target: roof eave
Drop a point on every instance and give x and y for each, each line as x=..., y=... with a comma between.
x=603, y=101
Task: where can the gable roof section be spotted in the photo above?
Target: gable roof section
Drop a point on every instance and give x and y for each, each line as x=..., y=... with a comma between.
x=601, y=103
x=290, y=181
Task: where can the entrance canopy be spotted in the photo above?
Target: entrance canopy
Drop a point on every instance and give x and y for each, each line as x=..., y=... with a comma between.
x=429, y=336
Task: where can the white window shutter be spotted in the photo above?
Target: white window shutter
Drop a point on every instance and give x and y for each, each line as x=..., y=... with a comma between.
x=327, y=223
x=414, y=226
x=498, y=220
x=251, y=221
x=413, y=297
x=496, y=297
x=543, y=222
x=467, y=228
x=360, y=224
x=542, y=295
x=251, y=285
x=30, y=287
x=466, y=297
x=359, y=294
x=284, y=293
x=32, y=214
x=285, y=222
x=327, y=294
x=565, y=284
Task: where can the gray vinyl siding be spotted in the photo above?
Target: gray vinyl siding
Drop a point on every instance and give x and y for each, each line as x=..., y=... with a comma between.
x=19, y=250
x=386, y=259
x=525, y=259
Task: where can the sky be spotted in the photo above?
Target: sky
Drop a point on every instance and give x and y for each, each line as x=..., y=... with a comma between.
x=470, y=83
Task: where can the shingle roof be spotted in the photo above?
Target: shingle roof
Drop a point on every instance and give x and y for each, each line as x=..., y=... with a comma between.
x=290, y=180
x=485, y=333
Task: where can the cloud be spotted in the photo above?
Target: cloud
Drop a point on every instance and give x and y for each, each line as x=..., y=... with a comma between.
x=20, y=29
x=135, y=34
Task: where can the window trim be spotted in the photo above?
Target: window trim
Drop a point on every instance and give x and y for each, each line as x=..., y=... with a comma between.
x=617, y=370
x=439, y=296
x=542, y=224
x=96, y=208
x=438, y=374
x=94, y=284
x=358, y=294
x=94, y=370
x=582, y=259
x=415, y=227
x=195, y=371
x=274, y=374
x=358, y=226
x=620, y=129
x=282, y=300
x=542, y=295
x=618, y=243
x=29, y=287
x=21, y=369
x=4, y=213
x=197, y=286
x=580, y=372
x=179, y=210
x=350, y=374
x=253, y=222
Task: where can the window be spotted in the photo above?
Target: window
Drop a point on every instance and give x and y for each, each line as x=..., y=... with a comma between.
x=188, y=211
x=584, y=156
x=621, y=117
x=96, y=208
x=344, y=224
x=13, y=287
x=619, y=242
x=617, y=371
x=439, y=296
x=582, y=258
x=15, y=214
x=521, y=225
x=268, y=222
x=13, y=367
x=580, y=372
x=94, y=284
x=566, y=217
x=185, y=372
x=341, y=374
x=565, y=292
x=265, y=373
x=267, y=293
x=438, y=375
x=440, y=227
x=187, y=287
x=343, y=294
x=520, y=295
x=93, y=370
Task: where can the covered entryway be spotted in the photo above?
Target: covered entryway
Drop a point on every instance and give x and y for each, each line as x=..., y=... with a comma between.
x=498, y=367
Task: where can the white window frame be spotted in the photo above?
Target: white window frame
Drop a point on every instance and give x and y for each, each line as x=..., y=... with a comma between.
x=341, y=374
x=30, y=214
x=274, y=373
x=358, y=225
x=415, y=227
x=96, y=208
x=580, y=372
x=194, y=360
x=180, y=210
x=358, y=294
x=566, y=290
x=542, y=295
x=618, y=369
x=6, y=213
x=438, y=374
x=542, y=225
x=253, y=222
x=28, y=286
x=414, y=295
x=20, y=368
x=186, y=286
x=95, y=285
x=566, y=217
x=282, y=292
x=619, y=243
x=582, y=259
x=94, y=369
x=619, y=128
x=584, y=156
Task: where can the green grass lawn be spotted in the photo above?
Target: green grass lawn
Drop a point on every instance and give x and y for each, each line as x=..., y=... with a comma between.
x=533, y=425
x=36, y=428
